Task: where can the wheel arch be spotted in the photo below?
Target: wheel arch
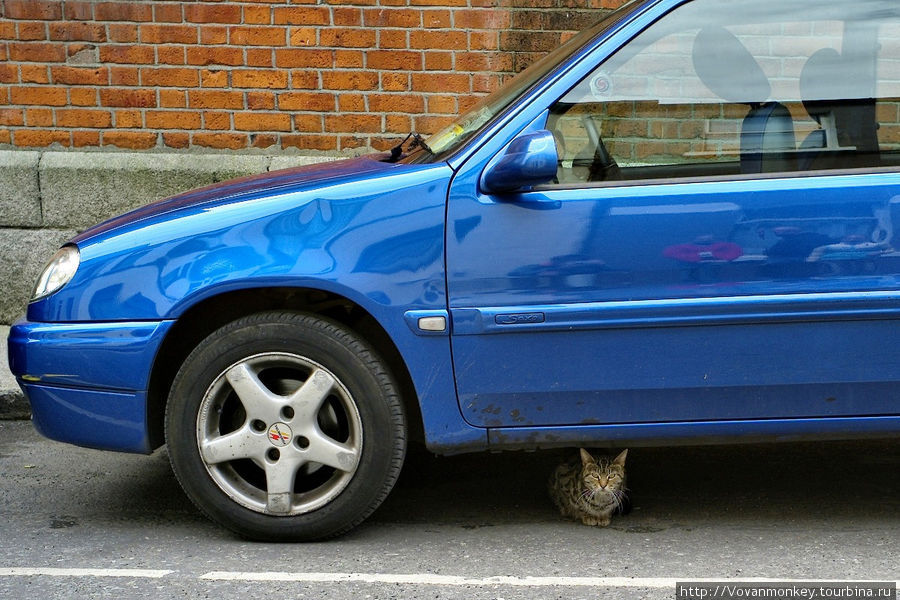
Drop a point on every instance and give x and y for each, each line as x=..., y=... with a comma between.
x=209, y=314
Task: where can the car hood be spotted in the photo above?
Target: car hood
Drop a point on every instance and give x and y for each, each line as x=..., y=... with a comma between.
x=247, y=188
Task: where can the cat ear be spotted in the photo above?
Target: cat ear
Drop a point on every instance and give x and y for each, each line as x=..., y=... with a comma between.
x=586, y=458
x=620, y=459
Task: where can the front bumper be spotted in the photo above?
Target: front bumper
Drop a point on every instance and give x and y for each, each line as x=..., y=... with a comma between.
x=87, y=382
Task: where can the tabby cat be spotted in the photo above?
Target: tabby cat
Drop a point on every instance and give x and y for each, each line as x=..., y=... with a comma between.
x=590, y=490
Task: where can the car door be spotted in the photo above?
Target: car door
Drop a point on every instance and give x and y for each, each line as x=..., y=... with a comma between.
x=718, y=243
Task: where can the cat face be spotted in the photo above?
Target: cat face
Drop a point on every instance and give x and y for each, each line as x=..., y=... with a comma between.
x=603, y=475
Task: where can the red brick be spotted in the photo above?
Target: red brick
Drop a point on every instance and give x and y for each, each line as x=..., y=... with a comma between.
x=213, y=34
x=231, y=141
x=349, y=142
x=39, y=96
x=127, y=54
x=259, y=57
x=351, y=103
x=309, y=142
x=263, y=140
x=259, y=79
x=308, y=123
x=219, y=99
x=32, y=31
x=73, y=117
x=168, y=12
x=170, y=55
x=124, y=97
x=7, y=30
x=37, y=52
x=484, y=84
x=307, y=101
x=216, y=120
x=304, y=80
x=39, y=117
x=303, y=36
x=12, y=116
x=123, y=11
x=301, y=15
x=484, y=61
x=172, y=119
x=395, y=82
x=445, y=105
x=257, y=15
x=393, y=38
x=123, y=76
x=438, y=61
x=213, y=79
x=134, y=140
x=405, y=103
x=429, y=124
x=440, y=82
x=80, y=139
x=83, y=96
x=10, y=74
x=173, y=77
x=487, y=18
x=397, y=124
x=353, y=123
x=347, y=38
x=41, y=137
x=212, y=13
x=128, y=119
x=392, y=17
x=438, y=39
x=80, y=75
x=5, y=136
x=256, y=121
x=257, y=36
x=346, y=17
x=349, y=80
x=168, y=34
x=33, y=9
x=349, y=59
x=122, y=33
x=484, y=40
x=302, y=57
x=172, y=99
x=260, y=100
x=176, y=140
x=436, y=19
x=212, y=55
x=394, y=60
x=71, y=30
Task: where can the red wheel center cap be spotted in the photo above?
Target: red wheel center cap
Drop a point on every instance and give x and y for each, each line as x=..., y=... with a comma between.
x=280, y=434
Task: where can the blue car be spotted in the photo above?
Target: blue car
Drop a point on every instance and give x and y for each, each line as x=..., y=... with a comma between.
x=678, y=227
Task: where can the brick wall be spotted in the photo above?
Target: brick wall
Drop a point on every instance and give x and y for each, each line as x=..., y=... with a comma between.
x=328, y=75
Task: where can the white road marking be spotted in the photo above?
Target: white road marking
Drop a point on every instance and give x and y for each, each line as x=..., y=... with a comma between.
x=427, y=579
x=58, y=572
x=431, y=579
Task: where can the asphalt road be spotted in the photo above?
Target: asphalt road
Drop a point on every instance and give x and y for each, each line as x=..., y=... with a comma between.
x=84, y=523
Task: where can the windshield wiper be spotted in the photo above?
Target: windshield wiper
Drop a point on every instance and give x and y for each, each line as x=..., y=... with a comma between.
x=417, y=142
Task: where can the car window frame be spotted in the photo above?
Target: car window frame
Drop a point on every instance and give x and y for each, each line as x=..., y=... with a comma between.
x=595, y=60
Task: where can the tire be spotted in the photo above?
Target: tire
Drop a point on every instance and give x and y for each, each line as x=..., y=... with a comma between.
x=285, y=426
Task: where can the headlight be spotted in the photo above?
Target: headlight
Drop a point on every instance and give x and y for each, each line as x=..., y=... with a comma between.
x=58, y=272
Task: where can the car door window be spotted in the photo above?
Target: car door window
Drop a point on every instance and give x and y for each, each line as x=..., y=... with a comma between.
x=736, y=88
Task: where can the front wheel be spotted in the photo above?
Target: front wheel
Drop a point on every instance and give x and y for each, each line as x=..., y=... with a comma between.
x=285, y=426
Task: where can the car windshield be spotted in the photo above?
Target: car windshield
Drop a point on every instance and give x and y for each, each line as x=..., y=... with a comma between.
x=450, y=138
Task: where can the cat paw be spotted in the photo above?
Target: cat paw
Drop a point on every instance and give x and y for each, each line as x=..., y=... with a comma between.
x=595, y=521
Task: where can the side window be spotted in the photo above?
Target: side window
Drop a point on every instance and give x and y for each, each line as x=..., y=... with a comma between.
x=723, y=88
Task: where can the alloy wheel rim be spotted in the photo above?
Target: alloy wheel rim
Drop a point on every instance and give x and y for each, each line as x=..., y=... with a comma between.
x=279, y=434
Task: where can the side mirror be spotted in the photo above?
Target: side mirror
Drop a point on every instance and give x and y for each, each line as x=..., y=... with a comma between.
x=530, y=159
